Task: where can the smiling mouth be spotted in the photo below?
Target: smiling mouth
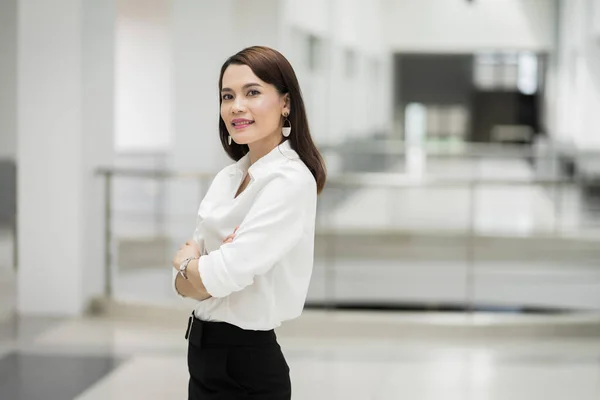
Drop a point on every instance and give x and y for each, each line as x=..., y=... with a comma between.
x=241, y=124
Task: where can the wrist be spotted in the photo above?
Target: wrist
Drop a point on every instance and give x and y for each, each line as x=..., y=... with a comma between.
x=183, y=267
x=193, y=274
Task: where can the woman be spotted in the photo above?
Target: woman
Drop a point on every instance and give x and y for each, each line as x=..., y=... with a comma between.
x=251, y=257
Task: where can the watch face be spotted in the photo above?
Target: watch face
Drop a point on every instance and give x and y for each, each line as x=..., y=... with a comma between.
x=183, y=267
x=184, y=264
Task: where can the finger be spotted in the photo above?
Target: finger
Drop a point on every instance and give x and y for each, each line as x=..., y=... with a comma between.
x=236, y=228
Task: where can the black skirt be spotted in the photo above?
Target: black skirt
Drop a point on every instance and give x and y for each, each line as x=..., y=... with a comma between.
x=226, y=362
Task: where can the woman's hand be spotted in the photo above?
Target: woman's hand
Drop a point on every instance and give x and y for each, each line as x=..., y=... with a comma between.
x=189, y=249
x=193, y=244
x=229, y=238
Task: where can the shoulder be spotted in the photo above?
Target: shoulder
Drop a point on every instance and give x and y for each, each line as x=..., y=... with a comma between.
x=295, y=171
x=295, y=175
x=220, y=182
x=225, y=172
x=229, y=168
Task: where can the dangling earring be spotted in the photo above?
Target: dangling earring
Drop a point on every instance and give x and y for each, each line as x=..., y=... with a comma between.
x=229, y=140
x=286, y=130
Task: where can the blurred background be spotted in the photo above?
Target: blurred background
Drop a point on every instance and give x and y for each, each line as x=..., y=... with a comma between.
x=457, y=253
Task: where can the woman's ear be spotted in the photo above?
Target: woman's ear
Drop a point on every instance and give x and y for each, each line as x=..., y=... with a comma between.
x=287, y=106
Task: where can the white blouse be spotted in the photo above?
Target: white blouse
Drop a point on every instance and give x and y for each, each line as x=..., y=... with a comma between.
x=261, y=278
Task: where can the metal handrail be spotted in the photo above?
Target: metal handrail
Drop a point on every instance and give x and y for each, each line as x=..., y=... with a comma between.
x=152, y=173
x=465, y=150
x=357, y=179
x=399, y=181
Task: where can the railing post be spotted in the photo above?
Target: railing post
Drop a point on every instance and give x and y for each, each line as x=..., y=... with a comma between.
x=329, y=235
x=159, y=205
x=470, y=279
x=15, y=240
x=330, y=301
x=108, y=289
x=558, y=206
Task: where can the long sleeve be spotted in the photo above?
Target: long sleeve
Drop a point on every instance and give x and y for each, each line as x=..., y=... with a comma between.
x=274, y=224
x=197, y=237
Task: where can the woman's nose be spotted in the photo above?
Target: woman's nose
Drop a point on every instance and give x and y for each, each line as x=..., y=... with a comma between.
x=237, y=107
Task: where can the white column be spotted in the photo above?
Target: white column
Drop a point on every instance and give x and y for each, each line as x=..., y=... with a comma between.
x=257, y=23
x=578, y=77
x=203, y=37
x=98, y=125
x=197, y=59
x=8, y=79
x=143, y=76
x=205, y=34
x=65, y=119
x=591, y=78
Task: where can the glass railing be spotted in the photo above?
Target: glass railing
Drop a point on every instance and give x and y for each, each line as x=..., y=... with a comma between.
x=483, y=228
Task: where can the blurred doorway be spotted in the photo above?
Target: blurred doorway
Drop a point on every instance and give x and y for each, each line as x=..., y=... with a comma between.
x=485, y=97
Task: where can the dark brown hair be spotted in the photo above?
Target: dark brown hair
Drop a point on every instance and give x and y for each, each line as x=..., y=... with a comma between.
x=273, y=68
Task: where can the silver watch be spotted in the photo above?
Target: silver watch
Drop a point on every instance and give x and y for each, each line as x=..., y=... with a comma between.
x=183, y=267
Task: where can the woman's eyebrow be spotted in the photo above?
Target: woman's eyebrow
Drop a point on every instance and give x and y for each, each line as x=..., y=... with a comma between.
x=246, y=86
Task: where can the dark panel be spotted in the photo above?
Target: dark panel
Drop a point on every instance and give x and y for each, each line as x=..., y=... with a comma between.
x=50, y=377
x=8, y=190
x=490, y=109
x=434, y=78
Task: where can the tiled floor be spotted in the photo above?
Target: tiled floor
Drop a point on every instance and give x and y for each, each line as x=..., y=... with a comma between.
x=103, y=359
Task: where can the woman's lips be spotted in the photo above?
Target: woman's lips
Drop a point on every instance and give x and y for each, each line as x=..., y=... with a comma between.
x=241, y=123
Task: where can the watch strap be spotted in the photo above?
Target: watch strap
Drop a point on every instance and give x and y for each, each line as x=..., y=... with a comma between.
x=184, y=265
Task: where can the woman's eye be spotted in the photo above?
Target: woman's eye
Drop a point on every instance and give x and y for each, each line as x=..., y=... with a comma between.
x=227, y=97
x=253, y=92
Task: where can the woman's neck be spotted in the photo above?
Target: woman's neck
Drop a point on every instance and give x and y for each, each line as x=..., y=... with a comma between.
x=263, y=147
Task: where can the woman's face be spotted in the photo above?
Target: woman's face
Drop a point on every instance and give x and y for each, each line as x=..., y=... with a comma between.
x=251, y=109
